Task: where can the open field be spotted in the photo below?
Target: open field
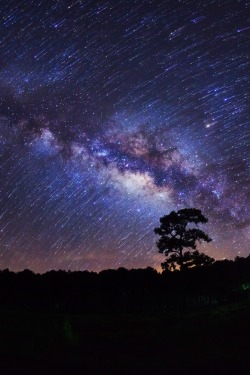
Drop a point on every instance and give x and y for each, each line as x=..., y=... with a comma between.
x=210, y=341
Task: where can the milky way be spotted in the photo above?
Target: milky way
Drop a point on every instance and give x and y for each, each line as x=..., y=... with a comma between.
x=114, y=113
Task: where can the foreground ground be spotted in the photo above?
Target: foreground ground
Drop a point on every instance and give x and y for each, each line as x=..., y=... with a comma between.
x=210, y=341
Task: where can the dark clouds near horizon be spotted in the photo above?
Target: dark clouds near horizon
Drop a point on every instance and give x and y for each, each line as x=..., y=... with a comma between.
x=112, y=114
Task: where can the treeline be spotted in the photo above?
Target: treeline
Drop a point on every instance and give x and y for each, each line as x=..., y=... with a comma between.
x=124, y=291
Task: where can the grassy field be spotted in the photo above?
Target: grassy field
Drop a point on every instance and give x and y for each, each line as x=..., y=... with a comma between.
x=210, y=341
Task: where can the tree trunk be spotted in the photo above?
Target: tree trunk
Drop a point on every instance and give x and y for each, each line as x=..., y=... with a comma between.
x=181, y=260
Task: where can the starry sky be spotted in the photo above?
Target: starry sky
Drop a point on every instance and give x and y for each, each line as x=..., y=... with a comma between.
x=112, y=114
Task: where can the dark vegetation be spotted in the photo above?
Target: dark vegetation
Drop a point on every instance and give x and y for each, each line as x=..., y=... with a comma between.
x=180, y=231
x=125, y=291
x=127, y=321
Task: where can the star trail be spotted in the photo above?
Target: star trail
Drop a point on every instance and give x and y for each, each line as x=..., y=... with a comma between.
x=114, y=113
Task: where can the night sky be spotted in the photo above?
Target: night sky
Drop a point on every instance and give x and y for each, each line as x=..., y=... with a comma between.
x=114, y=113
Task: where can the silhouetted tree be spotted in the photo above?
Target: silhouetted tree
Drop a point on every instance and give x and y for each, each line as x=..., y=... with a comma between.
x=177, y=234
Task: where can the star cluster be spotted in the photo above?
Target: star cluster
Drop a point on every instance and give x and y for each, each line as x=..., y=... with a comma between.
x=112, y=114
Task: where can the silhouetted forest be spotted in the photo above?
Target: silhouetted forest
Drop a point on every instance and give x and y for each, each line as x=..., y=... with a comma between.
x=127, y=321
x=126, y=291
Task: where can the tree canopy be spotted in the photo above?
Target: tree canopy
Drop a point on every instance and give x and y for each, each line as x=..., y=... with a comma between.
x=177, y=233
